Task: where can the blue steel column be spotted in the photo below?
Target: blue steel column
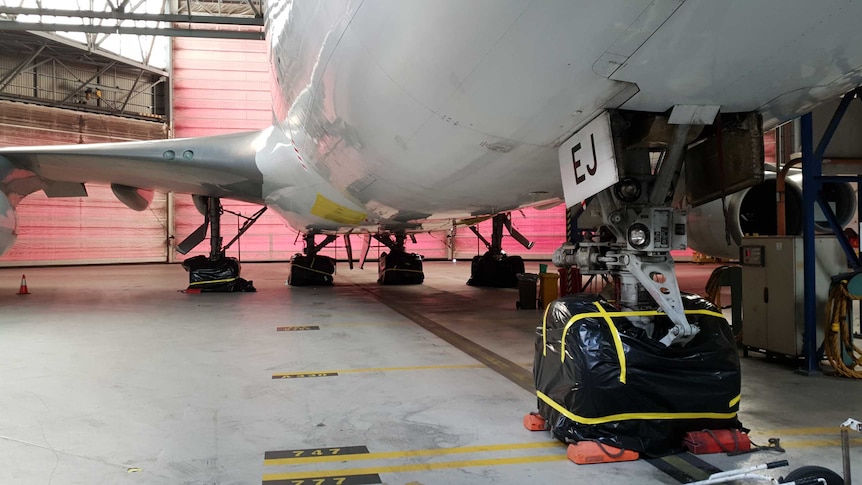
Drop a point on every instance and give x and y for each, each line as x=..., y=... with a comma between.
x=810, y=187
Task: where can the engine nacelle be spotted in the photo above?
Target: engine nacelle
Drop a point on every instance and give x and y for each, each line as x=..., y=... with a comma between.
x=752, y=211
x=8, y=224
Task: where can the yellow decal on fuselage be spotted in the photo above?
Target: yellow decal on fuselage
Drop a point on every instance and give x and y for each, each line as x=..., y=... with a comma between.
x=335, y=212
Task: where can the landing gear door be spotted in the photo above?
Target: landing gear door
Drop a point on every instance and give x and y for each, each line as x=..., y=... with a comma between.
x=588, y=162
x=725, y=162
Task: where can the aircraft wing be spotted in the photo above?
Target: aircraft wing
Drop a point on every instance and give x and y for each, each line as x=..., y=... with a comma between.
x=217, y=166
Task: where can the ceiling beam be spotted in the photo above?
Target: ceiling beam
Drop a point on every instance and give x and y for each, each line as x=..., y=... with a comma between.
x=20, y=67
x=151, y=17
x=58, y=39
x=107, y=29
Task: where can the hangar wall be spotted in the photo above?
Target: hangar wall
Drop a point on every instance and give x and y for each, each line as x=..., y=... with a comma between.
x=95, y=229
x=221, y=86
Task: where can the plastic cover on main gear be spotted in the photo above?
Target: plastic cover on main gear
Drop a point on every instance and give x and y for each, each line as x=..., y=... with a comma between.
x=645, y=398
x=221, y=275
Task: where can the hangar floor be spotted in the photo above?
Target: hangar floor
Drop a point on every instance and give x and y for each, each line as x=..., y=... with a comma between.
x=111, y=375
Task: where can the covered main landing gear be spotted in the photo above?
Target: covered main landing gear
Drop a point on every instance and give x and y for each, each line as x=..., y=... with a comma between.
x=398, y=267
x=312, y=269
x=494, y=268
x=216, y=272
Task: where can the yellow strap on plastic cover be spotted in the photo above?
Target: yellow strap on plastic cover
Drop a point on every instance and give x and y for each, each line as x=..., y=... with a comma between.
x=606, y=314
x=212, y=282
x=621, y=355
x=569, y=324
x=402, y=270
x=545, y=331
x=312, y=269
x=630, y=416
x=734, y=401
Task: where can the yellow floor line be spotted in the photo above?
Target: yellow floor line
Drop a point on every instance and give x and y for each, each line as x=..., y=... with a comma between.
x=385, y=369
x=385, y=455
x=414, y=467
x=797, y=431
x=356, y=324
x=817, y=443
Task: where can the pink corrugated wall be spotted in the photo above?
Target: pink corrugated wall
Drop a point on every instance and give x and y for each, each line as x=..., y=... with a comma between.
x=81, y=230
x=222, y=86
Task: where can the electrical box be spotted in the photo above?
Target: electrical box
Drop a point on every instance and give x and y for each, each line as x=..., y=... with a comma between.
x=773, y=293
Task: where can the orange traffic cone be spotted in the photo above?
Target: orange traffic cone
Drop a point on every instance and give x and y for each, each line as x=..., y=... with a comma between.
x=23, y=289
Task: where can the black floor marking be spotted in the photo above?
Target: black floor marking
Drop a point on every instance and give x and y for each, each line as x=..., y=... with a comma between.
x=312, y=452
x=298, y=328
x=684, y=467
x=345, y=480
x=304, y=375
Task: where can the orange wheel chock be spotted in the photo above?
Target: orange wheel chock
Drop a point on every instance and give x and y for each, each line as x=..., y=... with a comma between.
x=535, y=422
x=588, y=452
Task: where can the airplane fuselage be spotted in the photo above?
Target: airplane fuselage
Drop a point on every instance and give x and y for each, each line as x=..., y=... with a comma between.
x=406, y=115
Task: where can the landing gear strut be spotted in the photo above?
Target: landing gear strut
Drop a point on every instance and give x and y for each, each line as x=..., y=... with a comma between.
x=216, y=272
x=312, y=269
x=494, y=268
x=398, y=267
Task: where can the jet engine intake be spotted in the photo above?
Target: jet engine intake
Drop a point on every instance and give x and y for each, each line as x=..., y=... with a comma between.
x=753, y=211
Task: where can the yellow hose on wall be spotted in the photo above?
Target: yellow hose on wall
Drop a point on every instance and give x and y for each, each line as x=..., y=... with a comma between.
x=838, y=332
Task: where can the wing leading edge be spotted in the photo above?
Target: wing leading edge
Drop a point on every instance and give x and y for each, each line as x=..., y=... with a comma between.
x=217, y=166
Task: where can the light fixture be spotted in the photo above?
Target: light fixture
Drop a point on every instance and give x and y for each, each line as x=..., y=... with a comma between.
x=628, y=190
x=638, y=235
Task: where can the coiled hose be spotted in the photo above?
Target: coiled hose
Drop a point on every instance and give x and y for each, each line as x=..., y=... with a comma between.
x=838, y=332
x=713, y=294
x=713, y=286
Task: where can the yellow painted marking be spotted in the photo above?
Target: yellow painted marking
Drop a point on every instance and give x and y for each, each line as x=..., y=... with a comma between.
x=386, y=369
x=358, y=324
x=621, y=355
x=629, y=416
x=799, y=431
x=817, y=443
x=386, y=455
x=734, y=401
x=335, y=212
x=416, y=467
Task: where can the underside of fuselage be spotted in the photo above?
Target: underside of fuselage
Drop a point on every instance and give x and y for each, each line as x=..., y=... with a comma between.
x=433, y=111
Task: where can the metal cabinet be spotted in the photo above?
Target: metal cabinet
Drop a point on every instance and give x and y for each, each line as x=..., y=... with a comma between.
x=773, y=293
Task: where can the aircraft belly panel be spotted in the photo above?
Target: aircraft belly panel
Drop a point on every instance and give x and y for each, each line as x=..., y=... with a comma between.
x=413, y=109
x=386, y=136
x=778, y=57
x=537, y=84
x=436, y=51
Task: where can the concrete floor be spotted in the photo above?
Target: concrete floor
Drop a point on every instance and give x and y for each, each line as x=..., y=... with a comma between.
x=111, y=375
